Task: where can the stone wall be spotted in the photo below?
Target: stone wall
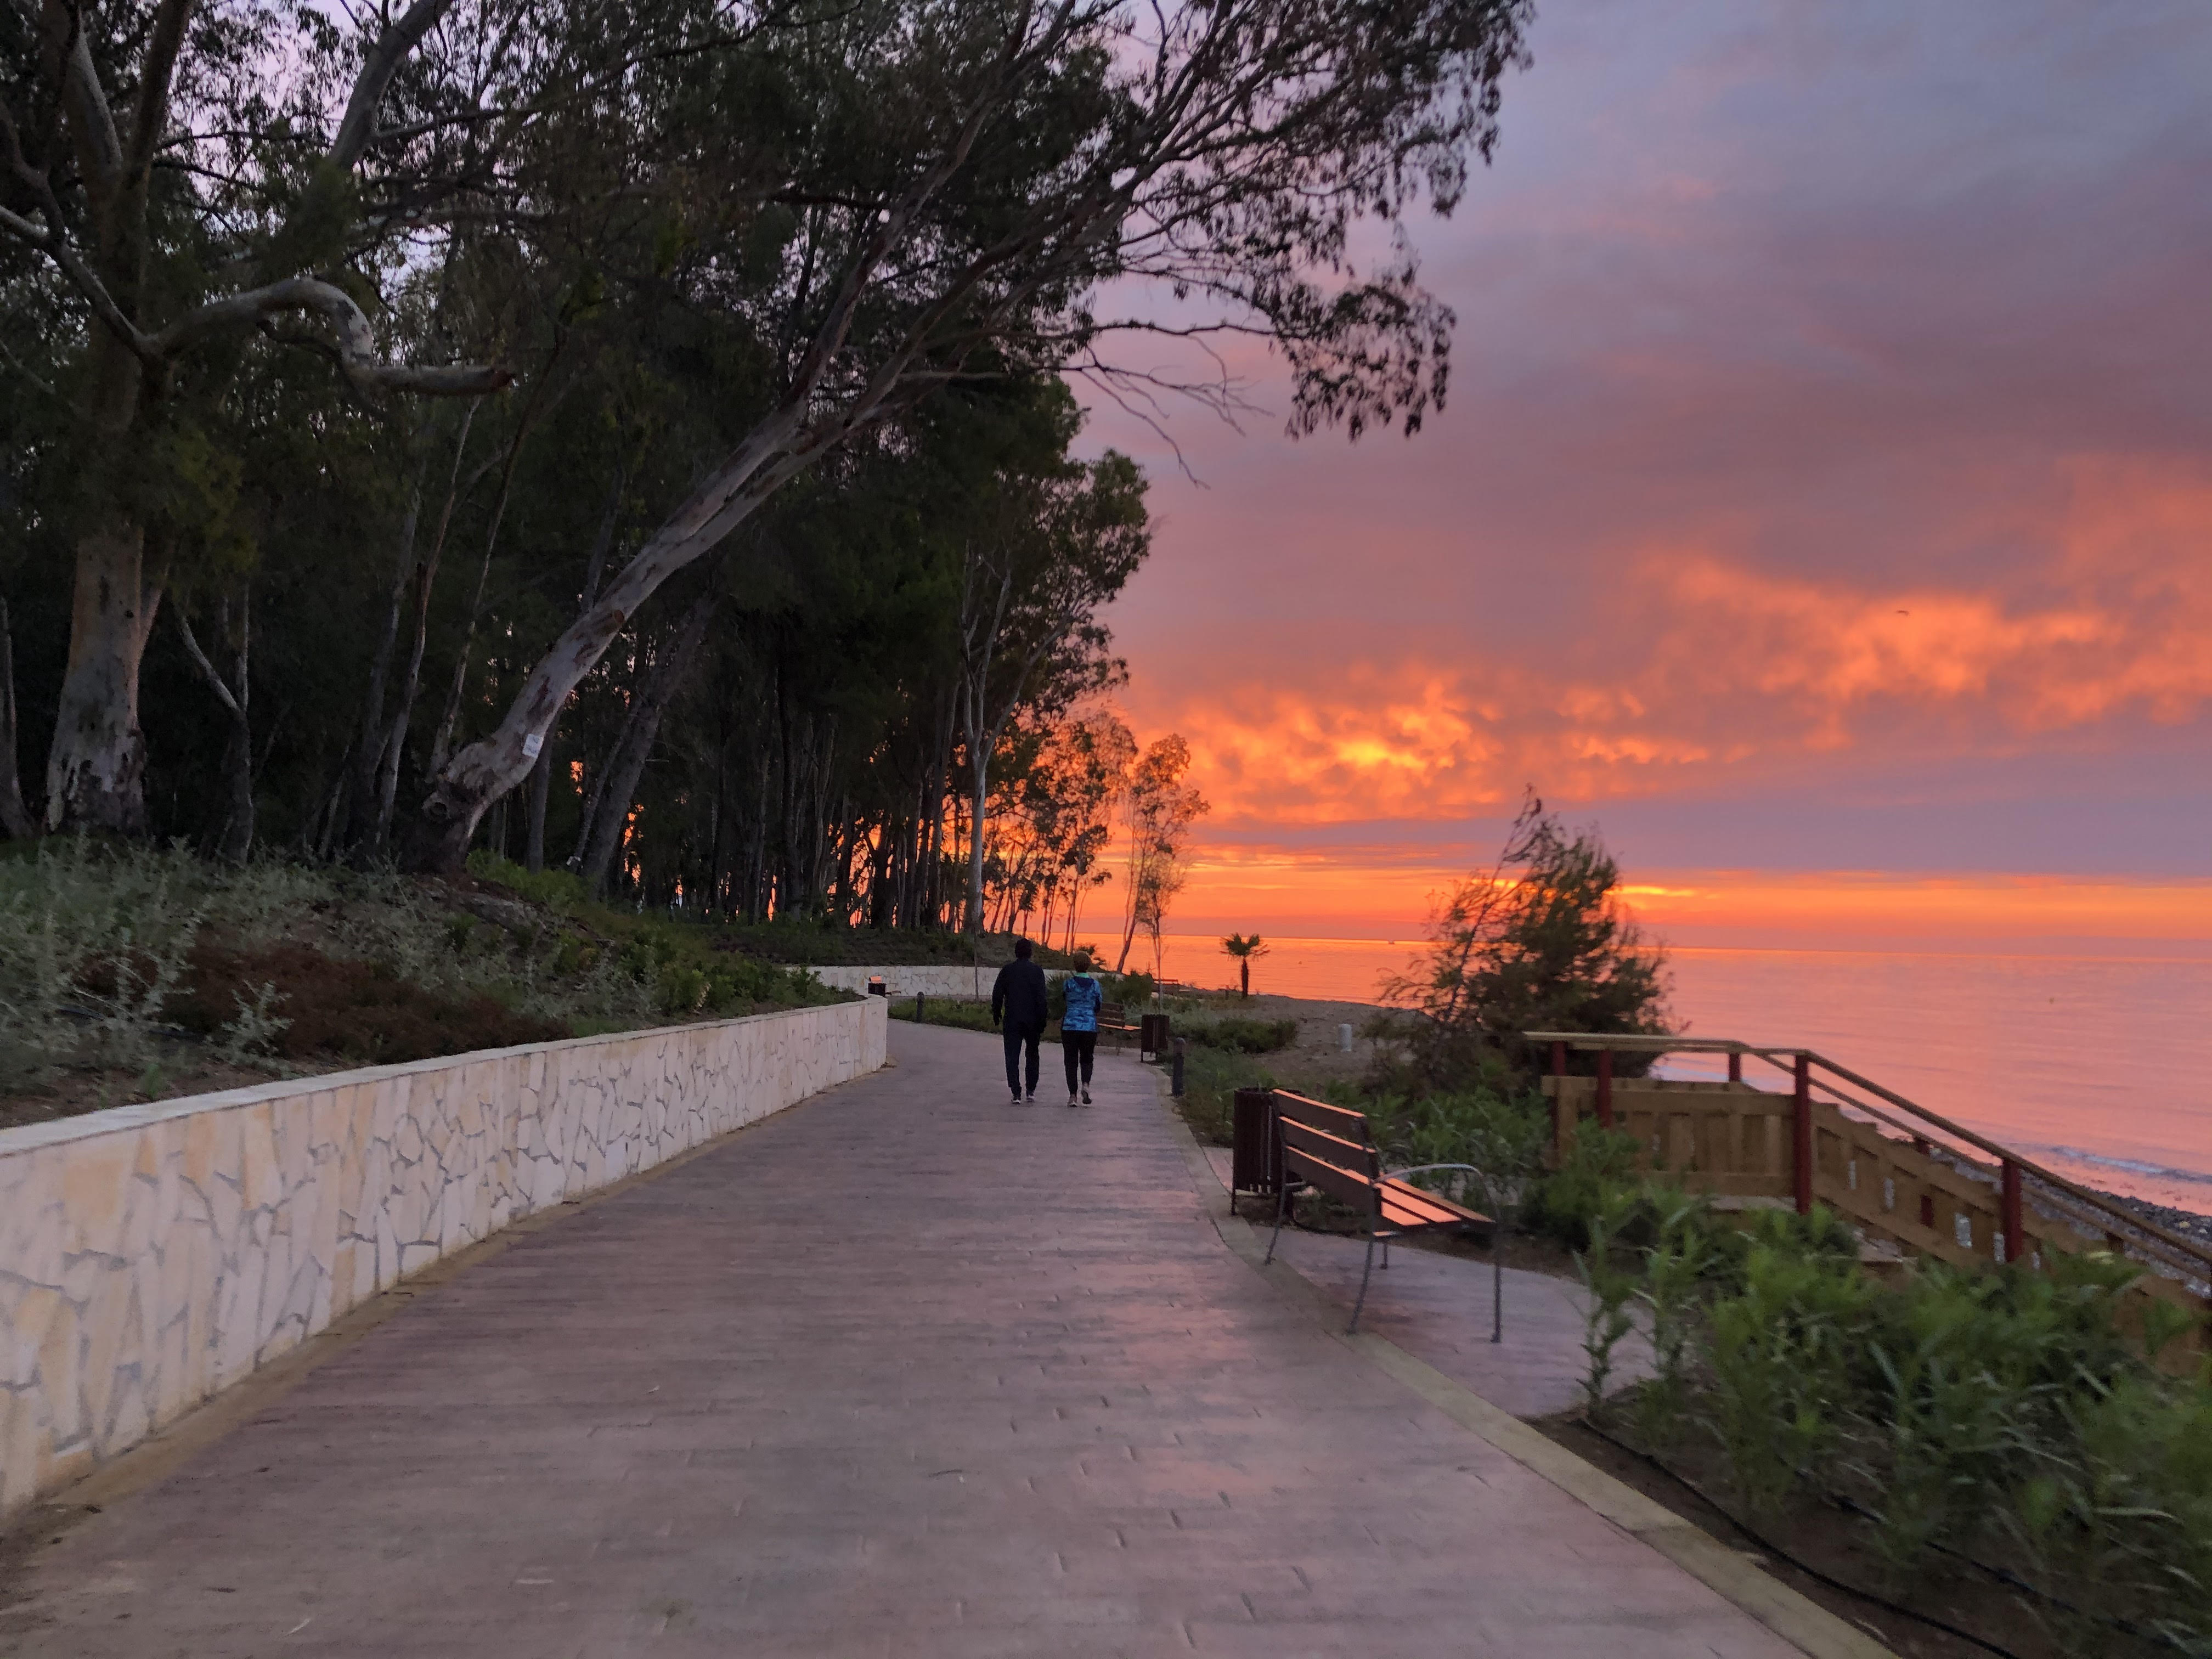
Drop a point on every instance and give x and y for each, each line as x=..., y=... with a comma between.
x=152, y=1256
x=935, y=979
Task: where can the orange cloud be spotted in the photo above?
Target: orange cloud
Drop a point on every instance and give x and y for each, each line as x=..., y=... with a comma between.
x=1701, y=670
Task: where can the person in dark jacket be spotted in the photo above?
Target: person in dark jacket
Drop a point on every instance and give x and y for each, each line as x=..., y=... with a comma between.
x=1018, y=998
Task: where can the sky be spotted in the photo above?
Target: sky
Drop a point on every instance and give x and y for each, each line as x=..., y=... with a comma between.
x=1822, y=508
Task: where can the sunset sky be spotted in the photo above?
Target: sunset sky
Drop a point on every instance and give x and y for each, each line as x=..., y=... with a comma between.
x=1823, y=507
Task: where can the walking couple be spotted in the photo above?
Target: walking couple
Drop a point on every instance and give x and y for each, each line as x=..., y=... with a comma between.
x=1019, y=1003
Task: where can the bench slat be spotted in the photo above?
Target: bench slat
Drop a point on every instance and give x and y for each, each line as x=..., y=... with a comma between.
x=1340, y=1120
x=1348, y=1155
x=1408, y=1206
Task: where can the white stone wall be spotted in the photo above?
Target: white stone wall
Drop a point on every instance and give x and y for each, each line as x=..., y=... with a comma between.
x=934, y=979
x=152, y=1256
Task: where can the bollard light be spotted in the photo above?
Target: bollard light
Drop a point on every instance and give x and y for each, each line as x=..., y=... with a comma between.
x=1344, y=1038
x=1177, y=1083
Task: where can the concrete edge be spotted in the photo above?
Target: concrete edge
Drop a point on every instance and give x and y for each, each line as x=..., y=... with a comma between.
x=1795, y=1618
x=155, y=1458
x=116, y=1120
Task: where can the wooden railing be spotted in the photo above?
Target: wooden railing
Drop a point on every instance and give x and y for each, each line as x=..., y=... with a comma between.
x=1901, y=1174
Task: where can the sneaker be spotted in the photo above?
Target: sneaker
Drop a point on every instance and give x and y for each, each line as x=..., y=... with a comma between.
x=1086, y=1098
x=1017, y=1097
x=1072, y=1100
x=1029, y=1101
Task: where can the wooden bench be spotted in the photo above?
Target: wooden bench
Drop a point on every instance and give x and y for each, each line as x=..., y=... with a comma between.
x=1332, y=1149
x=1115, y=1016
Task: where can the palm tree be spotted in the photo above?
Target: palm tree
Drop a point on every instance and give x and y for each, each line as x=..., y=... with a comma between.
x=1245, y=949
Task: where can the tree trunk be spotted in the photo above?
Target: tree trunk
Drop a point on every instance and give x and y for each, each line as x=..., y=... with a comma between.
x=234, y=841
x=628, y=765
x=15, y=817
x=424, y=579
x=95, y=777
x=541, y=775
x=541, y=794
x=370, y=769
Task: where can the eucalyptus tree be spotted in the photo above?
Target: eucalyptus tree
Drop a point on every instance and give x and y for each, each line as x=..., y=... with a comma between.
x=197, y=175
x=898, y=195
x=1047, y=551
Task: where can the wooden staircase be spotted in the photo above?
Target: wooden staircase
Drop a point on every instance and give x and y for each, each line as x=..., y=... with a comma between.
x=1910, y=1181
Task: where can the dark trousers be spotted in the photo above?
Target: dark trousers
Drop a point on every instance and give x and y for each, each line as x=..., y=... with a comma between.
x=1018, y=1038
x=1079, y=1048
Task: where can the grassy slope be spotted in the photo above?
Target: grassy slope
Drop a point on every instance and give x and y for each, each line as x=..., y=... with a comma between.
x=129, y=974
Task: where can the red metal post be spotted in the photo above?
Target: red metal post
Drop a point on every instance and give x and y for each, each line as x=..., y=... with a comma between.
x=1605, y=1087
x=2016, y=1237
x=1558, y=1059
x=1735, y=1066
x=1802, y=1138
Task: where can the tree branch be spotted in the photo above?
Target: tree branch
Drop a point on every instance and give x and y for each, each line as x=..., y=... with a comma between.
x=154, y=77
x=356, y=345
x=377, y=69
x=98, y=150
x=207, y=669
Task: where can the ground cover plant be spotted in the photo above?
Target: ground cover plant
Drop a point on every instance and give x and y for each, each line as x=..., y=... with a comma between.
x=962, y=1013
x=1250, y=1036
x=2011, y=1426
x=128, y=972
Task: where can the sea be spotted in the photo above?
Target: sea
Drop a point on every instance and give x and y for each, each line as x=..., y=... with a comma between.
x=2097, y=1067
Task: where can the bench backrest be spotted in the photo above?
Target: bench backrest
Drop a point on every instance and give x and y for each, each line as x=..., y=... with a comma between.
x=1113, y=1013
x=1328, y=1147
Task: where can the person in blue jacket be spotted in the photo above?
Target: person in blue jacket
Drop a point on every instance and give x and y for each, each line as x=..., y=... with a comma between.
x=1078, y=1027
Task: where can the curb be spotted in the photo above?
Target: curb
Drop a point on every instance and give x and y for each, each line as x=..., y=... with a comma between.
x=1803, y=1623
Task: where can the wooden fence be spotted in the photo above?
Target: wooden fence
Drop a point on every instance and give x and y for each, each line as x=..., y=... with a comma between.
x=1903, y=1175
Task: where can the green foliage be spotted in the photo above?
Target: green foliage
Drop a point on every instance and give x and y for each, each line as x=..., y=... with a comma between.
x=1609, y=1288
x=1599, y=1163
x=2012, y=1415
x=964, y=1013
x=1129, y=988
x=1780, y=1356
x=558, y=890
x=1250, y=1036
x=122, y=958
x=1539, y=942
x=1675, y=1269
x=1210, y=1078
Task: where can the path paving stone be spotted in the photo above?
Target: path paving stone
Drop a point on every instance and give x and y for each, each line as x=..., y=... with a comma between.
x=901, y=1370
x=1436, y=1306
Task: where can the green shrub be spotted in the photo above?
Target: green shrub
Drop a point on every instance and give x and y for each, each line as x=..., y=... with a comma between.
x=1503, y=1136
x=1249, y=1036
x=1210, y=1078
x=1129, y=988
x=964, y=1013
x=1599, y=1163
x=1780, y=1355
x=558, y=890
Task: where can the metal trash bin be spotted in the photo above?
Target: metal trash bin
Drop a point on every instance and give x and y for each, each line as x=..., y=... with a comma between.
x=876, y=986
x=1256, y=1163
x=1152, y=1037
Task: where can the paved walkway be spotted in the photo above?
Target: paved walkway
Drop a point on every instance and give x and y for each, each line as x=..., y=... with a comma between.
x=1437, y=1307
x=903, y=1370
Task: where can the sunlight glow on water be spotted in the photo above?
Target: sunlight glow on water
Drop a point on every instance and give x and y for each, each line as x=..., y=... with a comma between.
x=2100, y=1066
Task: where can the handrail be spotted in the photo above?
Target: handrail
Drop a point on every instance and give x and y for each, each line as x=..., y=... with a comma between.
x=1586, y=1042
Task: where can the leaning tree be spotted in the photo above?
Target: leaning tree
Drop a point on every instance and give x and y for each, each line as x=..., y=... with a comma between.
x=901, y=194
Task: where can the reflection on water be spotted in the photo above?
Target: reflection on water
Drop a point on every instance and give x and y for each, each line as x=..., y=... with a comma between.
x=2100, y=1066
